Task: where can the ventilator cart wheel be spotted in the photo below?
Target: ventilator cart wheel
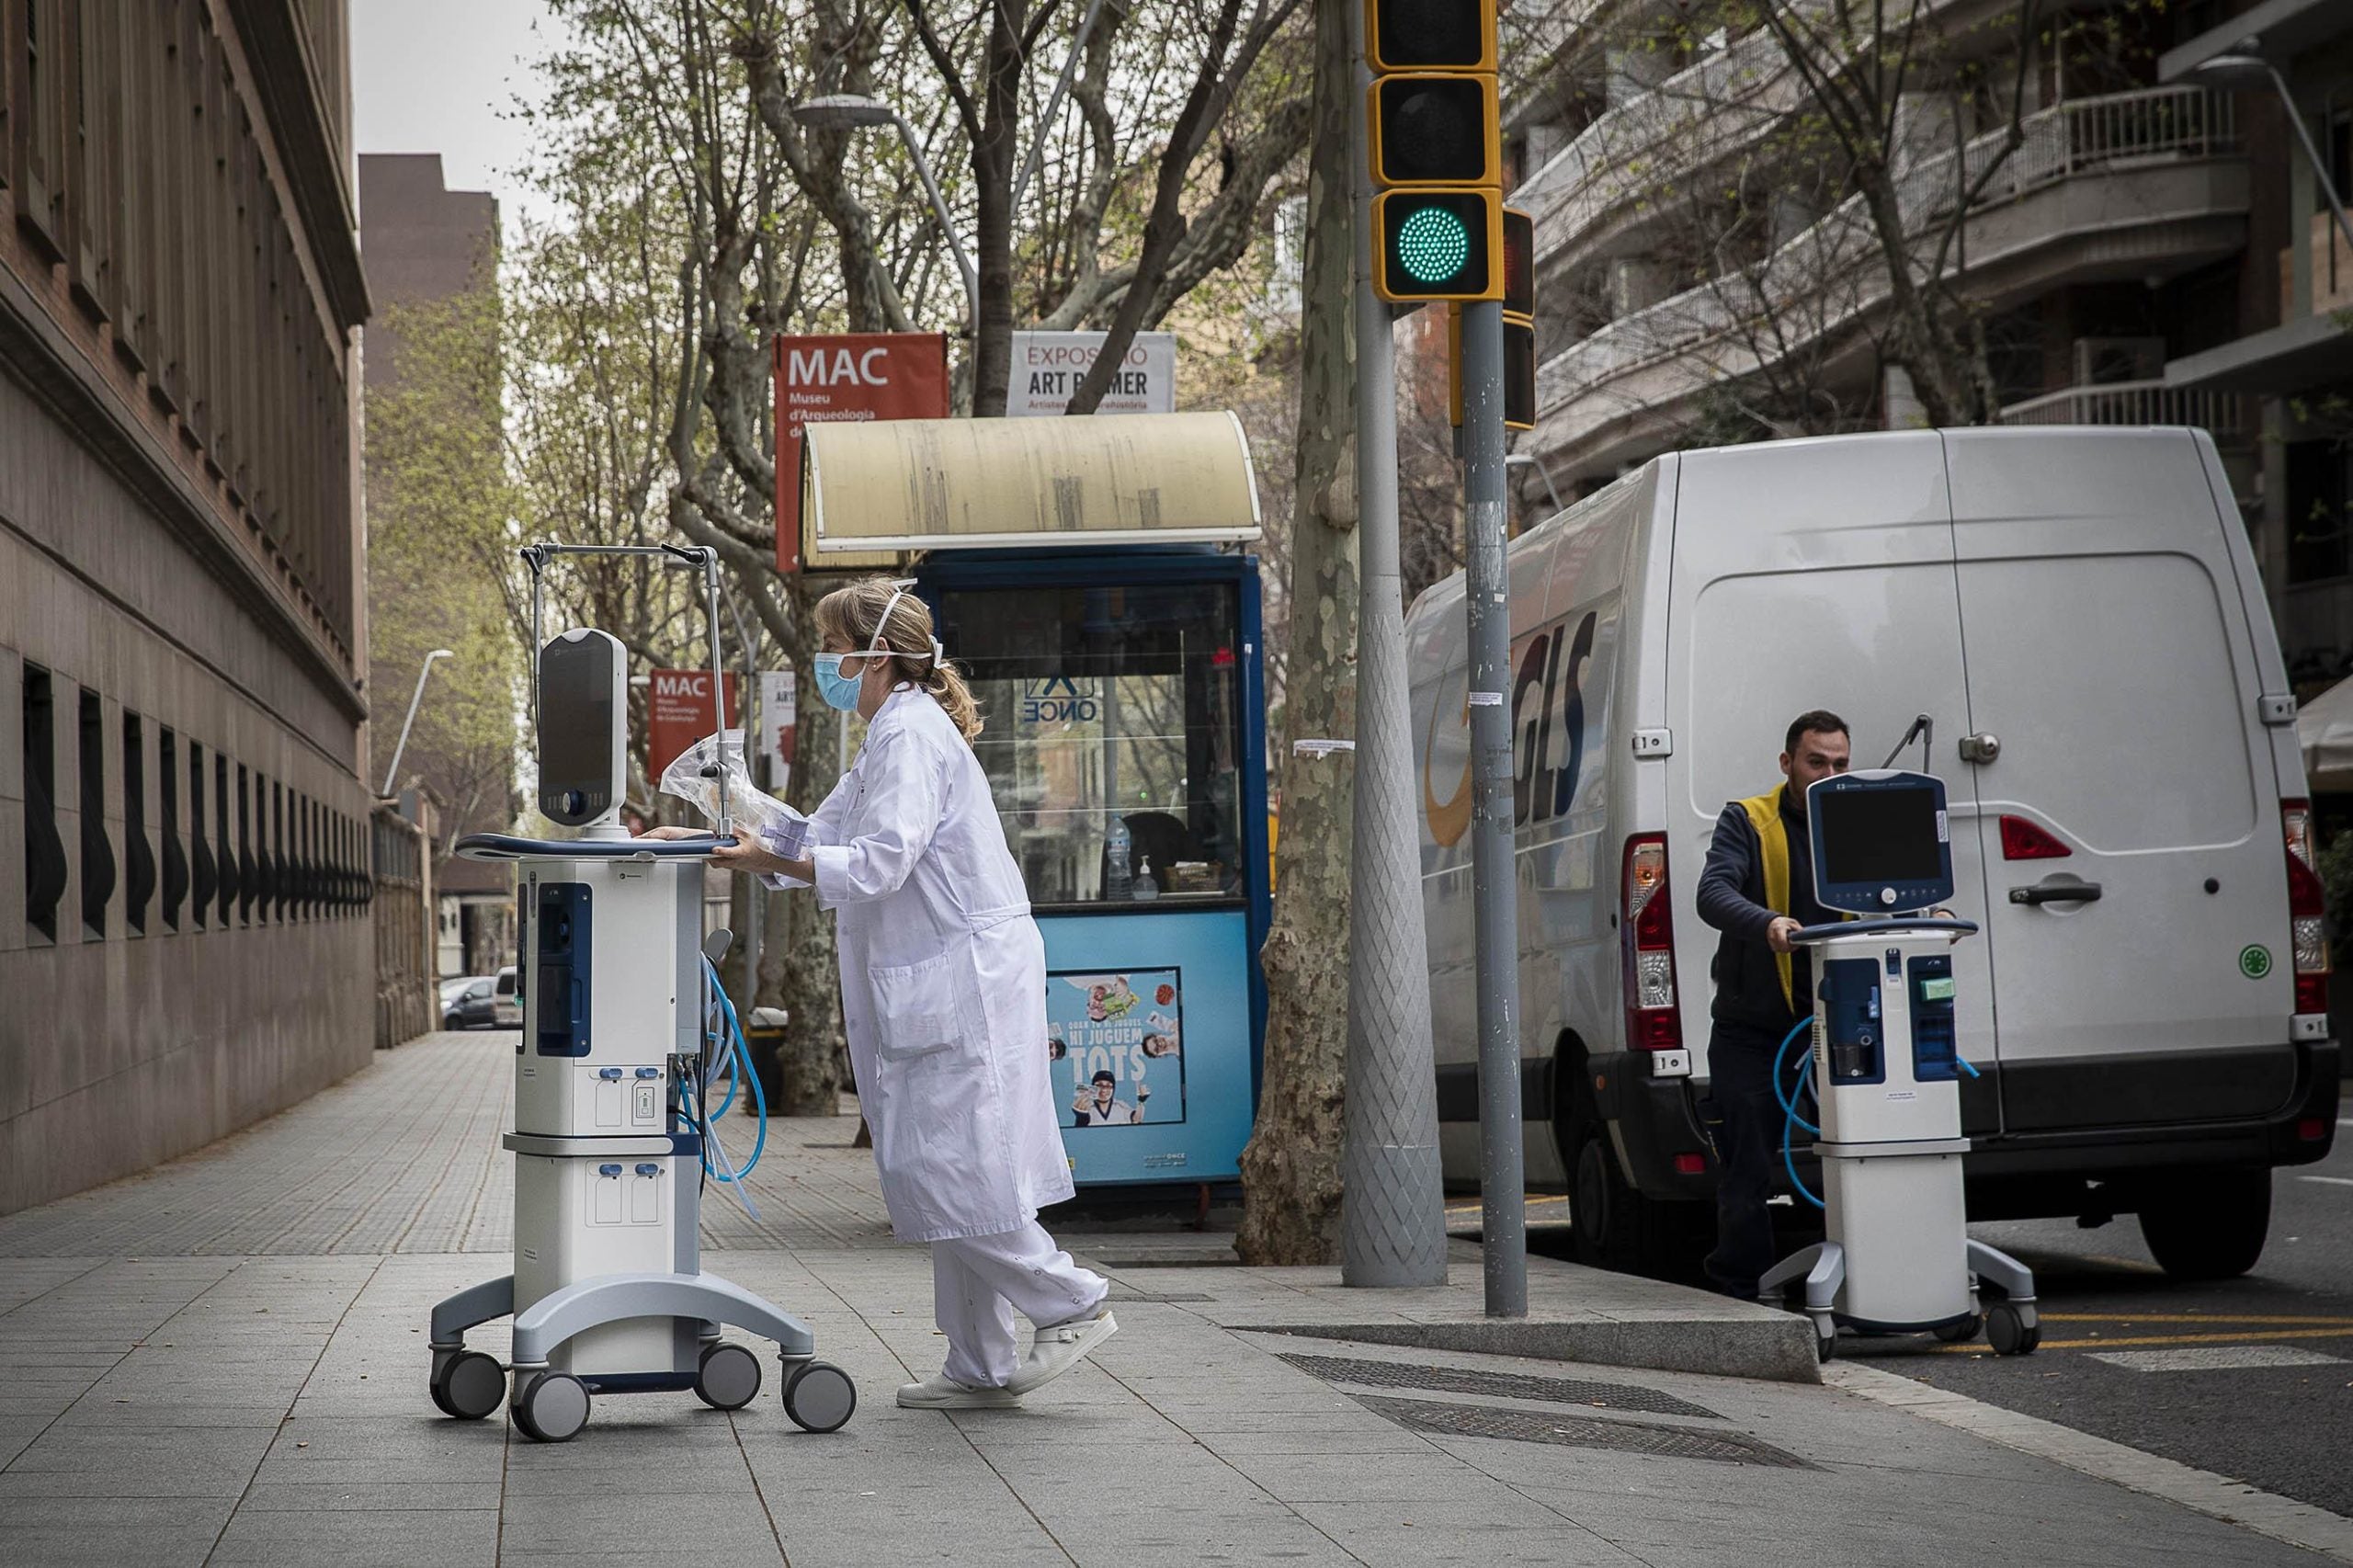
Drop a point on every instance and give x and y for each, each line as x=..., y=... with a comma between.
x=727, y=1377
x=1825, y=1345
x=819, y=1397
x=1961, y=1333
x=468, y=1385
x=550, y=1407
x=2009, y=1334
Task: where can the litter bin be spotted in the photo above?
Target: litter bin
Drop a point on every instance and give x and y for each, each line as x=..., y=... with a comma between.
x=766, y=1037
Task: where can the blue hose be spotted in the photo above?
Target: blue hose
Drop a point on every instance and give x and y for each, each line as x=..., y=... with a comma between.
x=742, y=1072
x=1790, y=1119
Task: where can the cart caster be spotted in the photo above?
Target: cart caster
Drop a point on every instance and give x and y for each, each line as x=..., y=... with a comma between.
x=1960, y=1333
x=819, y=1397
x=550, y=1407
x=727, y=1378
x=2009, y=1334
x=1824, y=1345
x=468, y=1385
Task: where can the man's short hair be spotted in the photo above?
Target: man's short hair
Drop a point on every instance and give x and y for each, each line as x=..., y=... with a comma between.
x=1817, y=721
x=1103, y=1078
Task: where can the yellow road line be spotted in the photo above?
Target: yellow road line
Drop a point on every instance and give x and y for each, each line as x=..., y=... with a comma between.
x=2123, y=1341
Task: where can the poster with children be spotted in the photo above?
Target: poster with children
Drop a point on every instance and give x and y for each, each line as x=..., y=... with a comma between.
x=1115, y=1046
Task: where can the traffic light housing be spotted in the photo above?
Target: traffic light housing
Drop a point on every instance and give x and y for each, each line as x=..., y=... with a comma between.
x=1434, y=148
x=1429, y=35
x=1438, y=244
x=1517, y=239
x=1434, y=129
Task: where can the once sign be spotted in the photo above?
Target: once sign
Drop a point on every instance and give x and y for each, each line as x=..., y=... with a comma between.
x=851, y=376
x=1048, y=366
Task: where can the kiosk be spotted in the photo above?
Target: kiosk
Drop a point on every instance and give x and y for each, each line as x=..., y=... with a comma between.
x=1896, y=1257
x=1085, y=573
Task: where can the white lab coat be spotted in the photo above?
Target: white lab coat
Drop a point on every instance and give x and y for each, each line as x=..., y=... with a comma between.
x=943, y=981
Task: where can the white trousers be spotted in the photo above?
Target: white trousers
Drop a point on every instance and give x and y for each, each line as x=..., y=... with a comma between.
x=978, y=1283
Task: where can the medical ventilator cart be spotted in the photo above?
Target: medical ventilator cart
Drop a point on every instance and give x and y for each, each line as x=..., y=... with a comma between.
x=1896, y=1257
x=625, y=1031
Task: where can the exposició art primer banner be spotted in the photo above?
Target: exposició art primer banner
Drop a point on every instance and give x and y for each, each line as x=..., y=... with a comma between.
x=1116, y=1047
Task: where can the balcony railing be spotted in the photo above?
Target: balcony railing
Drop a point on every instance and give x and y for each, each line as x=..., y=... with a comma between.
x=1831, y=273
x=2132, y=403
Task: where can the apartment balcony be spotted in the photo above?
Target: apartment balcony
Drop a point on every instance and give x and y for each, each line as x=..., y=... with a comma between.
x=2222, y=413
x=2131, y=186
x=1594, y=195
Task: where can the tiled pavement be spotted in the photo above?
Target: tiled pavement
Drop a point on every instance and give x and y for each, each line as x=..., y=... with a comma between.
x=223, y=1362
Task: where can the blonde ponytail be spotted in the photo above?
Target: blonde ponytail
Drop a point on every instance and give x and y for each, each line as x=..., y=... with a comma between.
x=852, y=613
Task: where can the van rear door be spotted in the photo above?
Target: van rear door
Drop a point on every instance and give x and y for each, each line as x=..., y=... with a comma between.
x=2131, y=839
x=1814, y=574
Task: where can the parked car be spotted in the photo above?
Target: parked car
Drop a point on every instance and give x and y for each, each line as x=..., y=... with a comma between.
x=2079, y=614
x=466, y=1003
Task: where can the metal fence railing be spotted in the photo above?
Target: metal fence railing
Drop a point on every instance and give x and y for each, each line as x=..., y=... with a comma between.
x=2132, y=403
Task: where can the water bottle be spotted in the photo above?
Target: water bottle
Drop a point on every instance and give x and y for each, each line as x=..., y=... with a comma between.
x=1116, y=882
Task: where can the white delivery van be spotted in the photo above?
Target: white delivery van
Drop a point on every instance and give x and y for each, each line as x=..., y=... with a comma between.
x=2079, y=614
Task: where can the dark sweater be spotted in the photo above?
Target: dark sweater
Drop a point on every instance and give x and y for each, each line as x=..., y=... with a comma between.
x=1732, y=899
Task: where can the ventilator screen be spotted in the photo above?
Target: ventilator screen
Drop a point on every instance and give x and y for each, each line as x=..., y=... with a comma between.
x=1880, y=835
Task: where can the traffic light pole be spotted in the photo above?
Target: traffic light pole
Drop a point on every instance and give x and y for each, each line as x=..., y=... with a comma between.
x=1494, y=888
x=1392, y=1216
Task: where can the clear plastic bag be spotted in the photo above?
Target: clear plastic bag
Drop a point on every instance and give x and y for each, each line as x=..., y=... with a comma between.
x=693, y=777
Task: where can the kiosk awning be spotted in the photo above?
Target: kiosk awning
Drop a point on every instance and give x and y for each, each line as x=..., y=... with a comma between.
x=893, y=485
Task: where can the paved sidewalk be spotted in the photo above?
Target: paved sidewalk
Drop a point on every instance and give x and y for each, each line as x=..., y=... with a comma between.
x=222, y=1362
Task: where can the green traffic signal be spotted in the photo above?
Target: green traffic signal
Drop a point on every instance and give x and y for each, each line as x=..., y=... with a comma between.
x=1438, y=244
x=1432, y=244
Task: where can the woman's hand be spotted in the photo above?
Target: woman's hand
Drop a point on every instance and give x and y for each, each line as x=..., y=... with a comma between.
x=753, y=861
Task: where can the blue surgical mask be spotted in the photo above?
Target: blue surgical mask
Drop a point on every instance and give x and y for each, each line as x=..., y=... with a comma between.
x=839, y=691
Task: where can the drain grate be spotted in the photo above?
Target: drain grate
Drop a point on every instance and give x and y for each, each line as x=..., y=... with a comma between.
x=1579, y=1432
x=1499, y=1385
x=1121, y=1297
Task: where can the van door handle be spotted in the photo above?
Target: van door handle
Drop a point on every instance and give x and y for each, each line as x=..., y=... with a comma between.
x=2057, y=892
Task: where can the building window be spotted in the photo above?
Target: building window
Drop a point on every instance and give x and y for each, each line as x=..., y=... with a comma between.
x=138, y=855
x=2318, y=496
x=45, y=863
x=167, y=775
x=249, y=871
x=270, y=863
x=97, y=854
x=225, y=848
x=206, y=879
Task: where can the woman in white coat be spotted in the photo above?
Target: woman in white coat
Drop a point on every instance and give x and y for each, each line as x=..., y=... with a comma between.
x=943, y=978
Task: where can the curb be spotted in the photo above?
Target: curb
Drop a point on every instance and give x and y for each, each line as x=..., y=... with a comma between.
x=1775, y=1349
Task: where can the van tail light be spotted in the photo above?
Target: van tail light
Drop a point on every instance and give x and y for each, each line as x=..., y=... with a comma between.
x=1647, y=925
x=2026, y=840
x=2307, y=909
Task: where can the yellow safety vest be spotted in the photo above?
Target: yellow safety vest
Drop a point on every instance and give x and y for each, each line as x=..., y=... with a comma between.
x=1773, y=844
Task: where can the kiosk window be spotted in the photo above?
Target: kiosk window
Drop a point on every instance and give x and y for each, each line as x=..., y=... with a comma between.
x=1109, y=710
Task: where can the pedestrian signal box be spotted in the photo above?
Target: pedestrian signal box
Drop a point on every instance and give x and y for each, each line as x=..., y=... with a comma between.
x=1519, y=252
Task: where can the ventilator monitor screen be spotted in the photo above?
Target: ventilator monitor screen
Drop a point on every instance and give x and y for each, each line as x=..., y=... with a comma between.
x=1880, y=841
x=1880, y=835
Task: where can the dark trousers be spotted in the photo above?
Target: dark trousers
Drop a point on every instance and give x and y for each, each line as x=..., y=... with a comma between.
x=1748, y=1145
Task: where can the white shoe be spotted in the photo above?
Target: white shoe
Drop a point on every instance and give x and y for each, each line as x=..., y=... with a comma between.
x=940, y=1392
x=1058, y=1347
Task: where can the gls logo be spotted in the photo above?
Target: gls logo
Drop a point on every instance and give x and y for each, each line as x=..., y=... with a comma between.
x=1553, y=660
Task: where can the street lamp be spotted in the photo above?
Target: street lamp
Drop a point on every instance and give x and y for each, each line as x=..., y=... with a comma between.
x=415, y=698
x=2245, y=69
x=853, y=111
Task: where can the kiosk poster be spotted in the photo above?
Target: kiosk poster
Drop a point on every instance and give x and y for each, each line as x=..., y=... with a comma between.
x=1115, y=1046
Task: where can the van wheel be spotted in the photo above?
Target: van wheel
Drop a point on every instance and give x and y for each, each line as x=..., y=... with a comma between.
x=2207, y=1224
x=1613, y=1226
